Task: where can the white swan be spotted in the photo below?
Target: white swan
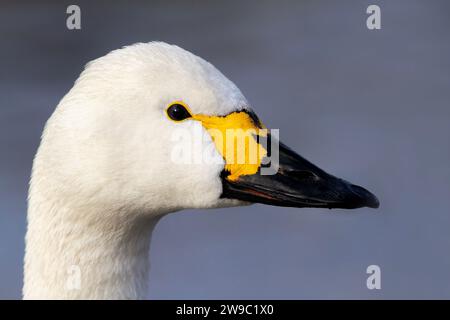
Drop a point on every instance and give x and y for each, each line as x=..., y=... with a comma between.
x=103, y=174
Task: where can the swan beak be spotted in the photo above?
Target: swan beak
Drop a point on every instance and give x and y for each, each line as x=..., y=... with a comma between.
x=297, y=183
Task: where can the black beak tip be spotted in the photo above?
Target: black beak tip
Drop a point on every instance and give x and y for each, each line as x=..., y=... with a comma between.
x=364, y=198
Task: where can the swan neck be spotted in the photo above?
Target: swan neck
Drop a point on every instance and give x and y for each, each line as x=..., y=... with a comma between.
x=86, y=255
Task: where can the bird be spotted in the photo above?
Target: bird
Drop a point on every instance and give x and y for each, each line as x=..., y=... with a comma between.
x=105, y=171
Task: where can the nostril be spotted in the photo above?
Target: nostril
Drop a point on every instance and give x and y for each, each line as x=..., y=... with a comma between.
x=302, y=175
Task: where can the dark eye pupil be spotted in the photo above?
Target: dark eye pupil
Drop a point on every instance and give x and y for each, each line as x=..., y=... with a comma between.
x=178, y=112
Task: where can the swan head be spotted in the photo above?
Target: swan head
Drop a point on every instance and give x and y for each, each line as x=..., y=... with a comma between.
x=141, y=129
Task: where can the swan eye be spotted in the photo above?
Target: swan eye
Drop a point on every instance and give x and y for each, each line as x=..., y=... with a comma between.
x=178, y=112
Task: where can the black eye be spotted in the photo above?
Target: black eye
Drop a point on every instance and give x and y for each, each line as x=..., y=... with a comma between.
x=178, y=112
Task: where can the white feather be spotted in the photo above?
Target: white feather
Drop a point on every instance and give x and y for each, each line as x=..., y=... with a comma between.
x=103, y=175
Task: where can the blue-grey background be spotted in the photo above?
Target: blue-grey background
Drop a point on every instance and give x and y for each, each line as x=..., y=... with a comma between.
x=369, y=106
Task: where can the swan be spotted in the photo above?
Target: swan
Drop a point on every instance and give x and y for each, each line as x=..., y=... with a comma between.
x=104, y=173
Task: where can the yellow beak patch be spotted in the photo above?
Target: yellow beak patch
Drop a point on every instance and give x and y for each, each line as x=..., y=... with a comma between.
x=236, y=138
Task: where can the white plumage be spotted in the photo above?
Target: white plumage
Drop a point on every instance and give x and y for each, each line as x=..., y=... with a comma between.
x=103, y=176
